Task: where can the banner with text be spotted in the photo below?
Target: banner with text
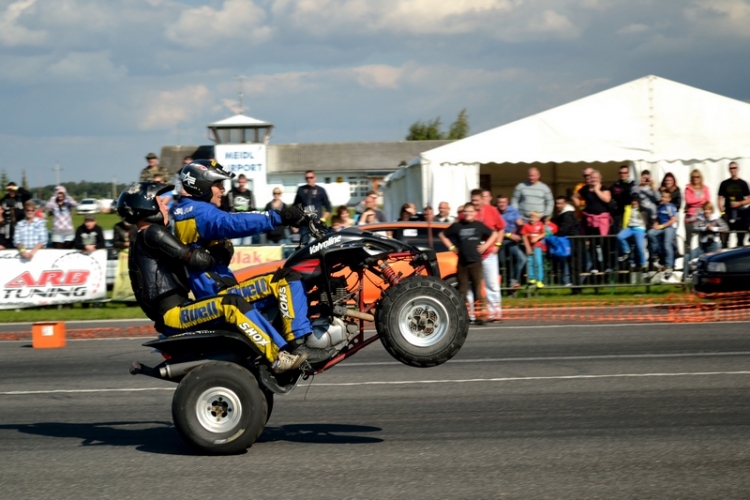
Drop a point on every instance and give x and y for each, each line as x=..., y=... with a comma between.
x=252, y=256
x=52, y=277
x=243, y=257
x=247, y=159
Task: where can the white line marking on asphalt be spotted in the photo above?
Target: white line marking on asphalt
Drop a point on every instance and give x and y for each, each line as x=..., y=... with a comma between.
x=408, y=382
x=567, y=358
x=521, y=379
x=83, y=391
x=494, y=328
x=596, y=325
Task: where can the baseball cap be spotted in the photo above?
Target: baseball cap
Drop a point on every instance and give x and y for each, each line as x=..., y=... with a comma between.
x=89, y=217
x=151, y=156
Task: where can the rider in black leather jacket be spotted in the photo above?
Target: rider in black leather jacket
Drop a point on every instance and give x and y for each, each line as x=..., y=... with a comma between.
x=157, y=266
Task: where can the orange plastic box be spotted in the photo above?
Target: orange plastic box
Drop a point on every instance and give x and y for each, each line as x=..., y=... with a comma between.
x=48, y=335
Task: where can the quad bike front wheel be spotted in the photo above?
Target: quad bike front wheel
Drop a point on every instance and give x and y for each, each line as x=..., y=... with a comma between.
x=422, y=321
x=219, y=409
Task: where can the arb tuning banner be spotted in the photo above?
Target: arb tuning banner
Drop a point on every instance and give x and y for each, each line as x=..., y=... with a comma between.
x=51, y=277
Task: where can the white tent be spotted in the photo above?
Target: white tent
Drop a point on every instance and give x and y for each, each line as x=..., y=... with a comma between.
x=650, y=123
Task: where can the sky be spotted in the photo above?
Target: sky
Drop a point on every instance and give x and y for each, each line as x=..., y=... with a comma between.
x=94, y=86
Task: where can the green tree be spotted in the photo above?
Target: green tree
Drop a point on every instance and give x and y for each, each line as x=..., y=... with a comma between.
x=426, y=131
x=3, y=182
x=24, y=182
x=430, y=130
x=460, y=128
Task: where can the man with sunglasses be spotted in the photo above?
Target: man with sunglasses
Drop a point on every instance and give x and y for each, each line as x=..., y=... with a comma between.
x=312, y=196
x=31, y=232
x=621, y=195
x=734, y=197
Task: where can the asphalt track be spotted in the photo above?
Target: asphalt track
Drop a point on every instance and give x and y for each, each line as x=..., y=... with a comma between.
x=574, y=411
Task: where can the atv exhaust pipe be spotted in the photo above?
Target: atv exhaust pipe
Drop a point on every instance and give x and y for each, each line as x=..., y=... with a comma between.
x=167, y=371
x=353, y=313
x=180, y=369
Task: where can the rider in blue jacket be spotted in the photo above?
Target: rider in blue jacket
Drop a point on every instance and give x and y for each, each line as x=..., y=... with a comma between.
x=199, y=222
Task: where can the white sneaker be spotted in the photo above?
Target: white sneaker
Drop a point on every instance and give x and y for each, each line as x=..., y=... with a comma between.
x=287, y=361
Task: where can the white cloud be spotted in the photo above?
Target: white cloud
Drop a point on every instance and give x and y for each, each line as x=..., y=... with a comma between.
x=163, y=110
x=12, y=33
x=509, y=20
x=86, y=67
x=553, y=23
x=721, y=17
x=205, y=27
x=633, y=29
x=374, y=77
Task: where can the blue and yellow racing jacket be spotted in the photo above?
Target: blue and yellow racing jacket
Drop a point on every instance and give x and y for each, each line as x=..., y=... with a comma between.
x=198, y=223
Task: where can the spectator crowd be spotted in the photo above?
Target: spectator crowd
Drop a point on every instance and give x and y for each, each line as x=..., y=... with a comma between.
x=628, y=225
x=530, y=238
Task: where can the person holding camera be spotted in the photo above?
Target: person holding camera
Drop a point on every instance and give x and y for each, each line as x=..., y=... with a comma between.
x=61, y=206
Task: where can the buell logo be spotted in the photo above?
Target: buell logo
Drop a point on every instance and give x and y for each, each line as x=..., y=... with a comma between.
x=324, y=244
x=51, y=283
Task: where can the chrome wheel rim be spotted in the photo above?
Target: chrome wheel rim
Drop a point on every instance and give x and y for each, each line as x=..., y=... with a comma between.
x=423, y=321
x=218, y=409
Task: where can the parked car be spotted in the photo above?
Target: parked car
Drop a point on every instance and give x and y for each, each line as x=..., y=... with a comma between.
x=722, y=271
x=416, y=233
x=88, y=206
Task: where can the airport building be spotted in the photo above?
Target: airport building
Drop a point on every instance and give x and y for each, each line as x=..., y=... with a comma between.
x=348, y=170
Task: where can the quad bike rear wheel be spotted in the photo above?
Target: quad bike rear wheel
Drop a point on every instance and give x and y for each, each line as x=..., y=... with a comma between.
x=422, y=321
x=219, y=409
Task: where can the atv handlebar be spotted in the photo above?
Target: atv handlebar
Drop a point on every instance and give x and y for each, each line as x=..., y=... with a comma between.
x=318, y=228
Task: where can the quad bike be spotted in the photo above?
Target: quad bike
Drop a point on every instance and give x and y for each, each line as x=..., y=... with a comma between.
x=225, y=391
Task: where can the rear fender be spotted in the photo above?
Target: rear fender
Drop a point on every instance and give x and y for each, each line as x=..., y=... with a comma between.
x=204, y=343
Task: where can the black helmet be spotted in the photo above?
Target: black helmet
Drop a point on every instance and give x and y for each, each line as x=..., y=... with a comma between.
x=138, y=202
x=198, y=176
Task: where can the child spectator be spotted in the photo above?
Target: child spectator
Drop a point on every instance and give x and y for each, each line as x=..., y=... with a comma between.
x=708, y=225
x=468, y=238
x=635, y=222
x=697, y=194
x=336, y=223
x=661, y=235
x=533, y=239
x=89, y=236
x=550, y=227
x=345, y=219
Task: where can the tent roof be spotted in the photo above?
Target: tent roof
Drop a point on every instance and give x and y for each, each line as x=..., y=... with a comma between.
x=238, y=121
x=648, y=119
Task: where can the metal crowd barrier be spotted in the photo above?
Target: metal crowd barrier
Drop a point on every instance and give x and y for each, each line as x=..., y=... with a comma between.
x=594, y=263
